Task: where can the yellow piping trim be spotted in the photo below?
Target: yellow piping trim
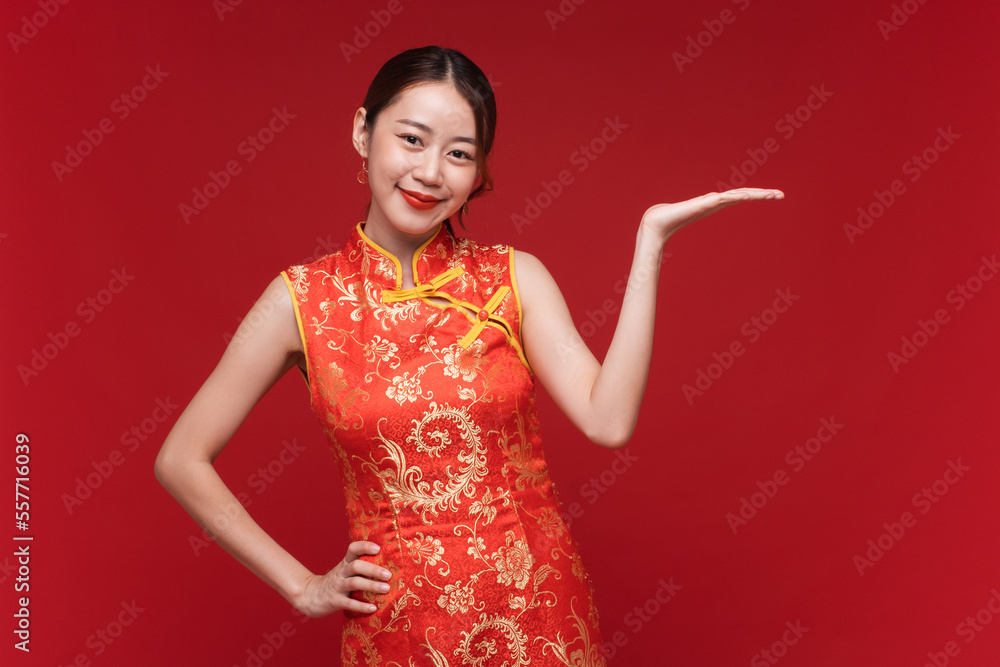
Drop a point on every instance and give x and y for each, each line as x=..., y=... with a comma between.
x=520, y=310
x=511, y=338
x=298, y=323
x=420, y=251
x=422, y=290
x=428, y=290
x=480, y=324
x=399, y=267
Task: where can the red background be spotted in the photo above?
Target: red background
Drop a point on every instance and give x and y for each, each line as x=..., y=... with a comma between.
x=665, y=515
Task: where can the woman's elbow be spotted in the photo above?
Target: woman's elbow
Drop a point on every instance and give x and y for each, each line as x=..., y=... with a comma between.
x=167, y=465
x=162, y=466
x=611, y=436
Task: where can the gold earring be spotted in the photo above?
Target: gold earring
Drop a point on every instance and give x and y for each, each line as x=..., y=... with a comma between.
x=465, y=207
x=363, y=174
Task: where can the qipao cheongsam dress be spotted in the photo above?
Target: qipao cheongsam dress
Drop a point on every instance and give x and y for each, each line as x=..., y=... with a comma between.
x=429, y=405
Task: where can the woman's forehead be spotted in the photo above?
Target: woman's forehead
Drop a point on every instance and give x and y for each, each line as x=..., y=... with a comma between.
x=434, y=105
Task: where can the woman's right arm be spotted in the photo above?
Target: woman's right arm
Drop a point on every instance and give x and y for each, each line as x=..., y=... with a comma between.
x=265, y=347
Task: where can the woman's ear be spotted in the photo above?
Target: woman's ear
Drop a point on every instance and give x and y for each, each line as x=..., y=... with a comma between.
x=360, y=133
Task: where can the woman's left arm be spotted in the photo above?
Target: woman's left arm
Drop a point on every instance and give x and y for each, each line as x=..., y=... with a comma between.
x=603, y=400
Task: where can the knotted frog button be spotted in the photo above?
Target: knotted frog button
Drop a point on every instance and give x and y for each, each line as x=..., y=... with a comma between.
x=483, y=315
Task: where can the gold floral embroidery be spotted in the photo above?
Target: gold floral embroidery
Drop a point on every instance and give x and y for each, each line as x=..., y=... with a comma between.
x=458, y=597
x=383, y=349
x=426, y=548
x=404, y=388
x=462, y=361
x=442, y=467
x=406, y=484
x=513, y=563
x=477, y=652
x=300, y=281
x=587, y=655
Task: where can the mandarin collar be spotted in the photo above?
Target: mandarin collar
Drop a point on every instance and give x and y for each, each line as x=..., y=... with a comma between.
x=384, y=269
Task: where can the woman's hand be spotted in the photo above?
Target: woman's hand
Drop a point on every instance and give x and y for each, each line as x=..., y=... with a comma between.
x=325, y=594
x=603, y=399
x=665, y=219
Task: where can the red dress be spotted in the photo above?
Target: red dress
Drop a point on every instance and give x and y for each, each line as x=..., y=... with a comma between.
x=429, y=405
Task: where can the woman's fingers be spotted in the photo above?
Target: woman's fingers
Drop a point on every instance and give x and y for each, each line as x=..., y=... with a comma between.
x=357, y=574
x=332, y=591
x=360, y=548
x=359, y=607
x=354, y=565
x=755, y=192
x=366, y=584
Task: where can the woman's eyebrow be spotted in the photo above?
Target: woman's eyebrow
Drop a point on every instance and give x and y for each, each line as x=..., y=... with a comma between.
x=421, y=126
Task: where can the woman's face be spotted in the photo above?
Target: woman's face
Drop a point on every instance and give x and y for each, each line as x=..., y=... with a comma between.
x=421, y=157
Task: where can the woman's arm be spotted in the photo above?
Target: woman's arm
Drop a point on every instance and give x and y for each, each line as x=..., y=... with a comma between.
x=265, y=346
x=603, y=400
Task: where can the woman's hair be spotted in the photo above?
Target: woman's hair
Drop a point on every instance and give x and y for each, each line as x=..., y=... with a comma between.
x=433, y=64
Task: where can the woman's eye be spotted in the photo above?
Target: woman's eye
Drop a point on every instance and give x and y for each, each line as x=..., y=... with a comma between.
x=410, y=139
x=461, y=154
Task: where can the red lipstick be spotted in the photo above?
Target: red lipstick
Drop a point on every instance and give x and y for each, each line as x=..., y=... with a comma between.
x=418, y=200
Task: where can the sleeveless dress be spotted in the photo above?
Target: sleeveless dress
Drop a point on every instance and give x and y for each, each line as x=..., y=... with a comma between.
x=429, y=406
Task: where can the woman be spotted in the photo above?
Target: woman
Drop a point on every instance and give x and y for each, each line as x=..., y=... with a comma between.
x=420, y=351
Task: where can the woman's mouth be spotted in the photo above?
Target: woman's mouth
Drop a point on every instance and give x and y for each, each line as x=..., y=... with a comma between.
x=419, y=200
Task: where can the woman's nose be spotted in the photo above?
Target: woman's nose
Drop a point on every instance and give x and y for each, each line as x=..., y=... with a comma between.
x=428, y=169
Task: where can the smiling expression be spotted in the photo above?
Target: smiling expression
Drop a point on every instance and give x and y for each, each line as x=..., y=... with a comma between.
x=421, y=159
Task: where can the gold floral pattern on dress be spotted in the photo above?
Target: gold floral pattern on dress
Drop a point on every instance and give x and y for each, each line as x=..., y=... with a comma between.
x=520, y=458
x=477, y=650
x=550, y=522
x=432, y=433
x=404, y=388
x=588, y=654
x=441, y=458
x=382, y=349
x=300, y=281
x=463, y=362
x=513, y=563
x=366, y=638
x=406, y=483
x=458, y=597
x=484, y=506
x=425, y=548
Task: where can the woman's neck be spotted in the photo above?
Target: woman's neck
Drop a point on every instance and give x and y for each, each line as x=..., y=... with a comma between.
x=399, y=244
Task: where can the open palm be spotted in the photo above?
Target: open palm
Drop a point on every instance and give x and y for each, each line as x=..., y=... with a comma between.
x=666, y=219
